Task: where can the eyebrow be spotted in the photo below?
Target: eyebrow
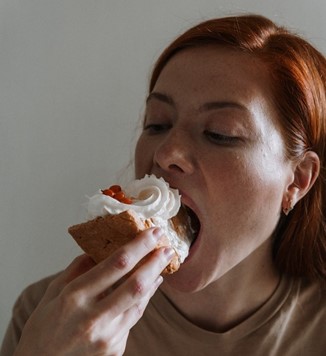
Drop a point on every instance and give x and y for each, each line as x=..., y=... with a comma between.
x=161, y=97
x=216, y=105
x=211, y=105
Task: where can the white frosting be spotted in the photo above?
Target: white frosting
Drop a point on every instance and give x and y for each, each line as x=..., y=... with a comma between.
x=153, y=199
x=178, y=243
x=151, y=196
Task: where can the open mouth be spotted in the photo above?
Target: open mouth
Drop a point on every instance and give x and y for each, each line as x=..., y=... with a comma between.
x=194, y=223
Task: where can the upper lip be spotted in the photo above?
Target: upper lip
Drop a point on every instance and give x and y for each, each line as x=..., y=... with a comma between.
x=186, y=200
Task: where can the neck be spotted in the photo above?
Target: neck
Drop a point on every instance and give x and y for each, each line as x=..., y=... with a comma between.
x=229, y=300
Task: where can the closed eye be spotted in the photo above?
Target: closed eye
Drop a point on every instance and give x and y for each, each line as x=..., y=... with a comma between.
x=219, y=138
x=156, y=128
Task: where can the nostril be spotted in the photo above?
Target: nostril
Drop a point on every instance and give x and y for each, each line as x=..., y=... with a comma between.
x=174, y=158
x=175, y=168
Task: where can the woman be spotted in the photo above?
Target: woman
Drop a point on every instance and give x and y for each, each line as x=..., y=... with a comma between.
x=235, y=119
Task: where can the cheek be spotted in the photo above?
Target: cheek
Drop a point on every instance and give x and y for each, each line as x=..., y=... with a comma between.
x=249, y=190
x=261, y=197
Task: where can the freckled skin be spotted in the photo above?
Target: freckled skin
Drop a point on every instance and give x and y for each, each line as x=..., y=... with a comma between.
x=235, y=185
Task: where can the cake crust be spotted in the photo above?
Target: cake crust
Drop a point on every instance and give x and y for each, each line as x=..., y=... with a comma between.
x=100, y=237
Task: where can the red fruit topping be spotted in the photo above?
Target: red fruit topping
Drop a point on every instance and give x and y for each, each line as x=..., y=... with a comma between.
x=115, y=188
x=108, y=192
x=116, y=192
x=126, y=200
x=119, y=196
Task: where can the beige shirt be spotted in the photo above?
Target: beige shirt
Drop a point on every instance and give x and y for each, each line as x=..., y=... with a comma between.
x=292, y=323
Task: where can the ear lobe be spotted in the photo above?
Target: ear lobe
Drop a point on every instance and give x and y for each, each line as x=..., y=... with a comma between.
x=305, y=175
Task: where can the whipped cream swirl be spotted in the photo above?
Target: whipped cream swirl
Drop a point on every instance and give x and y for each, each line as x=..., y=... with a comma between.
x=151, y=197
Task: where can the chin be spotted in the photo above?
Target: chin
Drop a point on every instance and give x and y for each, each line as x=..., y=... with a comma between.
x=185, y=281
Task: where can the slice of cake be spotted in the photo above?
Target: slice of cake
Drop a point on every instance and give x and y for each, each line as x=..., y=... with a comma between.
x=116, y=216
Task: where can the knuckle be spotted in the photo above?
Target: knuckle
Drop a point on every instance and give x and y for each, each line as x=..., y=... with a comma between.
x=122, y=260
x=138, y=287
x=71, y=298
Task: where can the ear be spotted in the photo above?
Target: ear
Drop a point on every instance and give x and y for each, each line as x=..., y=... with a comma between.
x=304, y=176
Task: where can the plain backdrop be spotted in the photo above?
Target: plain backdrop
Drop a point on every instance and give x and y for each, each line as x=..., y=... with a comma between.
x=73, y=80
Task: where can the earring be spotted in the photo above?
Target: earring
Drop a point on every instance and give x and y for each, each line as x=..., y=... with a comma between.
x=289, y=207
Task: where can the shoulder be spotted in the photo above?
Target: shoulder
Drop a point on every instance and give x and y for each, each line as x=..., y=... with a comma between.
x=306, y=305
x=308, y=309
x=312, y=294
x=31, y=296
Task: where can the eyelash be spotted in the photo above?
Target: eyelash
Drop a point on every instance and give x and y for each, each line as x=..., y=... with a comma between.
x=219, y=138
x=156, y=128
x=214, y=137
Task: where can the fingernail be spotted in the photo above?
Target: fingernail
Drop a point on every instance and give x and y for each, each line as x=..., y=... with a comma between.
x=157, y=232
x=169, y=253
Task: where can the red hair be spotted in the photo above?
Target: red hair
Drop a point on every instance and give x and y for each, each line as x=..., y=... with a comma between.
x=298, y=73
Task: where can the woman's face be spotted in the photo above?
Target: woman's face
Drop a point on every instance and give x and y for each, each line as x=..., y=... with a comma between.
x=211, y=131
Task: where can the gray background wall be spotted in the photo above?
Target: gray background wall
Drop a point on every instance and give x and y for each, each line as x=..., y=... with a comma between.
x=73, y=77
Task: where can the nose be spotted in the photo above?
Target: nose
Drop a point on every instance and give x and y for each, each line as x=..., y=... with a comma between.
x=175, y=153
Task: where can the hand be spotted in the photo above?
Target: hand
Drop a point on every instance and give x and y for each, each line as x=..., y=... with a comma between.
x=89, y=309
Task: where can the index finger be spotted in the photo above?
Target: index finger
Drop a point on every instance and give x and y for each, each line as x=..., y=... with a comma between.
x=121, y=262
